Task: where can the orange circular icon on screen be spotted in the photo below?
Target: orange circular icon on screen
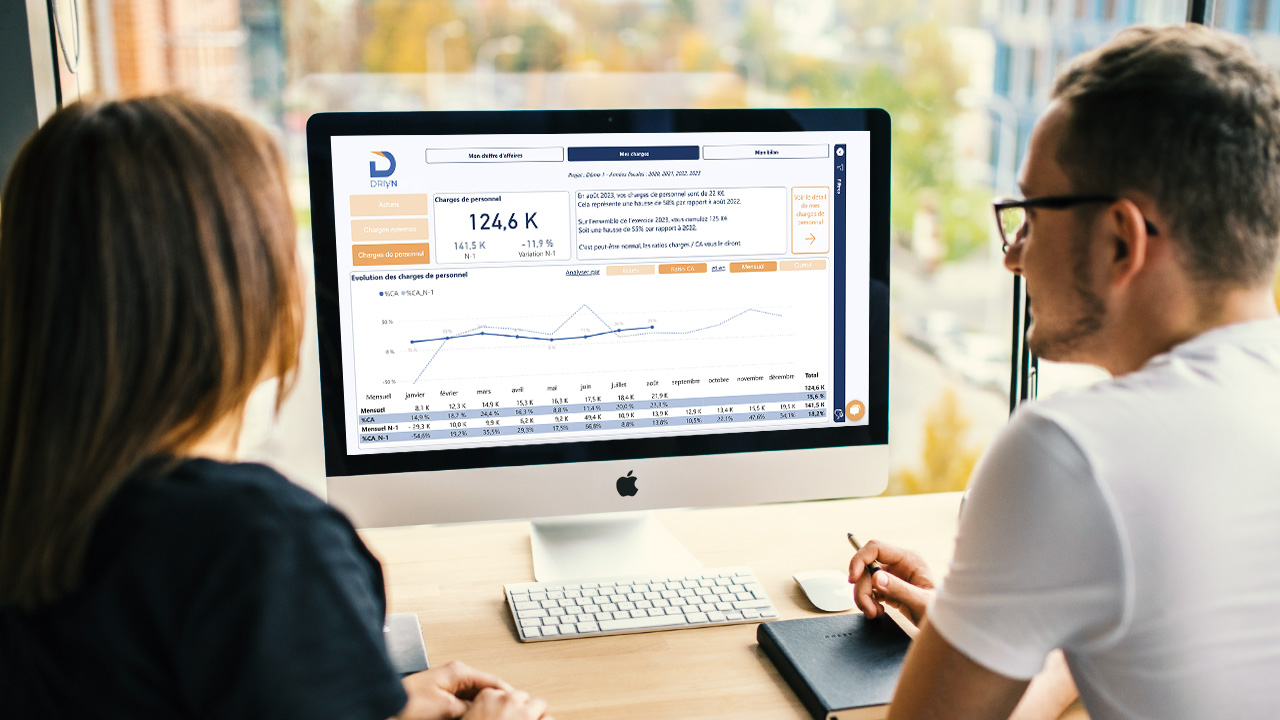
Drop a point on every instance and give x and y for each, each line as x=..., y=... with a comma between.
x=855, y=410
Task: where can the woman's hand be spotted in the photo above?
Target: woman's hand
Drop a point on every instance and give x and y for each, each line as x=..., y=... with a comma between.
x=444, y=693
x=507, y=705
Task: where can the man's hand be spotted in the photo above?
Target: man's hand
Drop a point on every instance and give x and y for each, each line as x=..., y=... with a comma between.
x=499, y=705
x=444, y=693
x=904, y=581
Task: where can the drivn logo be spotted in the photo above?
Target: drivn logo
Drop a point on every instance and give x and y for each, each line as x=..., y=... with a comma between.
x=374, y=172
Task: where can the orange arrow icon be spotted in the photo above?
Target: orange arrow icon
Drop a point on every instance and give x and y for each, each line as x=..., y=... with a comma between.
x=811, y=238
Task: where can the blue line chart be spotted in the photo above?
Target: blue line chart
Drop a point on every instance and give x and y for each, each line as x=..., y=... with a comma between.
x=545, y=336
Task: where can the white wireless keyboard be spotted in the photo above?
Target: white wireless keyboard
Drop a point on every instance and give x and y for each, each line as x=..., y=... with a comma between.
x=637, y=603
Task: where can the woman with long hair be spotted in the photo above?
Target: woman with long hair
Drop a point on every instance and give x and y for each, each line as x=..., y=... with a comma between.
x=148, y=282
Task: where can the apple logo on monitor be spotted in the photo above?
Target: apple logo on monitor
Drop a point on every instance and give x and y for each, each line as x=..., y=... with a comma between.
x=627, y=485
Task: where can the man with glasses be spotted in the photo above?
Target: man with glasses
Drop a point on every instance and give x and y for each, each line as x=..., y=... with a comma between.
x=1134, y=525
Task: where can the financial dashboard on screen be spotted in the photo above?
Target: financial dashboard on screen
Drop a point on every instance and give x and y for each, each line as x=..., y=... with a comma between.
x=527, y=290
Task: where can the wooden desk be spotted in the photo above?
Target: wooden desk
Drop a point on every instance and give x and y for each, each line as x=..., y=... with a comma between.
x=452, y=578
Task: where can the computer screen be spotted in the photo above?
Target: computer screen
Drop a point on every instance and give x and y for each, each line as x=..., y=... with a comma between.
x=550, y=313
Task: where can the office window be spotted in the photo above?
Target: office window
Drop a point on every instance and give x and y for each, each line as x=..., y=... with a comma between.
x=1262, y=32
x=944, y=70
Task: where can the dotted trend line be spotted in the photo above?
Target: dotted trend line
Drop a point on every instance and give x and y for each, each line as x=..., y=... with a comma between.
x=722, y=322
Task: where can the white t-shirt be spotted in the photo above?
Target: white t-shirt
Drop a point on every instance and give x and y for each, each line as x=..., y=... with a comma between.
x=1135, y=525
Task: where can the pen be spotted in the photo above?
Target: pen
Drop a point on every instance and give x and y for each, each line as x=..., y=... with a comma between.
x=872, y=566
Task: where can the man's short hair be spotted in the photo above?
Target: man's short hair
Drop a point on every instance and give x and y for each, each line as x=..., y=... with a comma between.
x=1190, y=117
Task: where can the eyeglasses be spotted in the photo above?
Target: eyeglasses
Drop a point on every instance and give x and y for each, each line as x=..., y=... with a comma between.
x=1011, y=215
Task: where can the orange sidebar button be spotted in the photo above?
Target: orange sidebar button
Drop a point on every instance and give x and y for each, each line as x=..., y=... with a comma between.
x=397, y=254
x=375, y=205
x=764, y=266
x=681, y=268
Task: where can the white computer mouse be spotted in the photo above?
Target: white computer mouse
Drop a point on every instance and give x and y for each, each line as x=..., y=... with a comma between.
x=828, y=590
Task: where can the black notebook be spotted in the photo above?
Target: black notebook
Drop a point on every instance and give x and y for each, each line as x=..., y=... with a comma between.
x=842, y=667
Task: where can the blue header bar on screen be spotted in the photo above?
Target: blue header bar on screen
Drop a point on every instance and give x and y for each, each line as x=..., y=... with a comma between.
x=650, y=152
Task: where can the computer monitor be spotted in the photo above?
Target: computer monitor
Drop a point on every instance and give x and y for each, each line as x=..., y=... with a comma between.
x=557, y=313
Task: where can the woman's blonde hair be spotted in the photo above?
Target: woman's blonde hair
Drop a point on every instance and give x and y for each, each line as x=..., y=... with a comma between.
x=148, y=281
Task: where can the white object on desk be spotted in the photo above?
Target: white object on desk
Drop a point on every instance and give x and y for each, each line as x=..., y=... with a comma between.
x=828, y=590
x=637, y=603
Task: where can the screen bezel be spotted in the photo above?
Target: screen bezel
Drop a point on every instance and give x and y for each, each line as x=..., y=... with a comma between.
x=322, y=127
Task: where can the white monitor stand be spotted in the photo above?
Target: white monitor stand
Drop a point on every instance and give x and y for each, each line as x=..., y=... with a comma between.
x=605, y=545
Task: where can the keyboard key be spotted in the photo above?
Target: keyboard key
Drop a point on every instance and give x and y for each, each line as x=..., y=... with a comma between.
x=641, y=623
x=566, y=602
x=750, y=614
x=716, y=616
x=660, y=603
x=622, y=615
x=724, y=606
x=590, y=609
x=706, y=608
x=679, y=602
x=735, y=589
x=522, y=606
x=672, y=611
x=590, y=592
x=586, y=627
x=743, y=604
x=685, y=592
x=609, y=607
x=582, y=601
x=734, y=615
x=539, y=613
x=556, y=595
x=530, y=622
x=556, y=611
x=696, y=617
x=602, y=616
x=572, y=587
x=723, y=581
x=573, y=593
x=644, y=605
x=768, y=612
x=744, y=596
x=538, y=596
x=639, y=613
x=626, y=606
x=651, y=595
x=550, y=631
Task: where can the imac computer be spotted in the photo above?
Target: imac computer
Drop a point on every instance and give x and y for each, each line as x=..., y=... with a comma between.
x=569, y=315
